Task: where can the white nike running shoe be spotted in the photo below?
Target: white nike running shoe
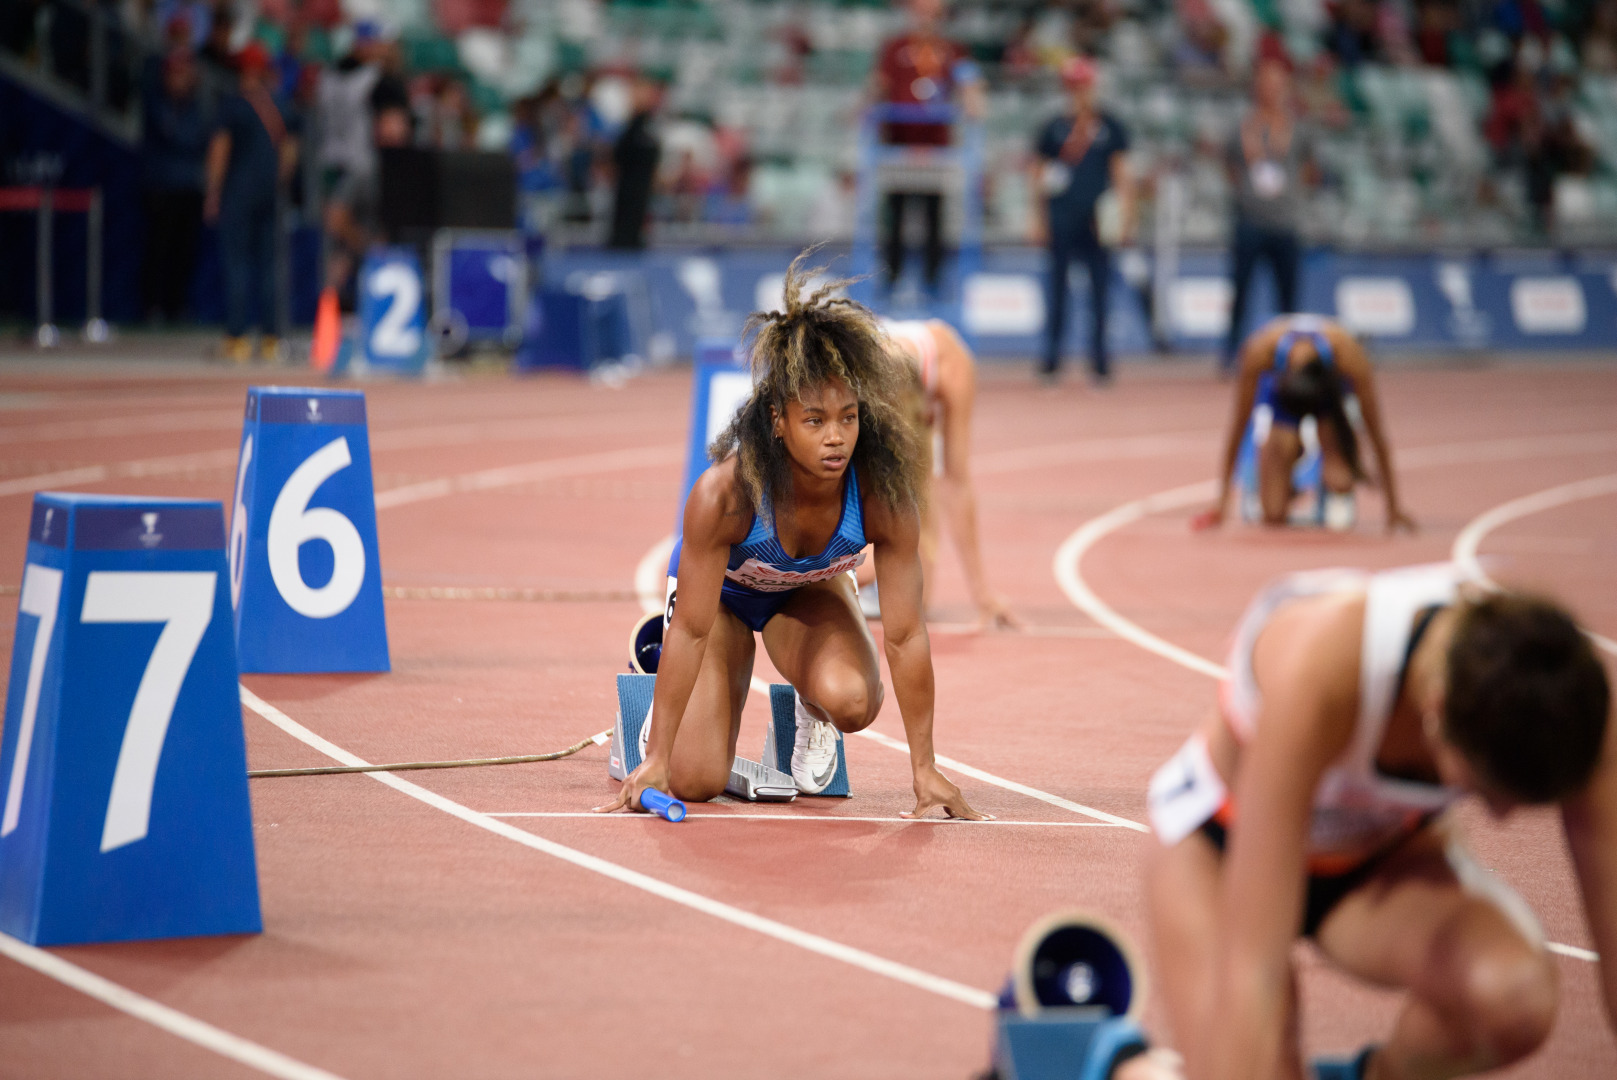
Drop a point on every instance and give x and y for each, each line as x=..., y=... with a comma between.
x=814, y=753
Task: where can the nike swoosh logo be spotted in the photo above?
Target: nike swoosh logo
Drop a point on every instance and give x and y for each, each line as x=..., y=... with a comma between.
x=821, y=779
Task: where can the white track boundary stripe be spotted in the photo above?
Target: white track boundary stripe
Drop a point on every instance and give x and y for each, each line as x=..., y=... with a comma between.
x=530, y=473
x=1068, y=571
x=790, y=935
x=176, y=1023
x=651, y=575
x=1470, y=539
x=802, y=819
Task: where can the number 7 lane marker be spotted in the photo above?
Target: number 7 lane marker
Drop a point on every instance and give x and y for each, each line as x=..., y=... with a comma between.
x=791, y=935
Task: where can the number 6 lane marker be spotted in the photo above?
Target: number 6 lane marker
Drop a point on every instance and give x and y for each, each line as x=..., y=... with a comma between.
x=292, y=524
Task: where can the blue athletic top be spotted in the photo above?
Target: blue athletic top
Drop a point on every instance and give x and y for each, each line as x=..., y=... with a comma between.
x=1298, y=328
x=760, y=576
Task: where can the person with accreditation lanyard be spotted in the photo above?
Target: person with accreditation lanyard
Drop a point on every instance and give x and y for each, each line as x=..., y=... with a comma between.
x=1080, y=156
x=946, y=371
x=1295, y=367
x=1358, y=708
x=821, y=459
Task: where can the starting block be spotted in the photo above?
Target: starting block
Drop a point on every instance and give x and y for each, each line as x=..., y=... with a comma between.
x=769, y=780
x=781, y=736
x=305, y=575
x=122, y=764
x=1069, y=1011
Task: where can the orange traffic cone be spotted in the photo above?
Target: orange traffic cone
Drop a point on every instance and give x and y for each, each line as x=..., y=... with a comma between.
x=327, y=332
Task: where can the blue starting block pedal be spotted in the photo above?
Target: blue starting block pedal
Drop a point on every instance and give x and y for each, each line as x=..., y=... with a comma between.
x=781, y=736
x=123, y=769
x=305, y=575
x=1069, y=1009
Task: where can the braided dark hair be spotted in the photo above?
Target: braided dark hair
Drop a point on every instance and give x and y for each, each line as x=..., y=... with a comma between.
x=1317, y=389
x=819, y=338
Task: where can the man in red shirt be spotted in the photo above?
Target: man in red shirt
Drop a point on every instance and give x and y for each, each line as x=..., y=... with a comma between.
x=921, y=67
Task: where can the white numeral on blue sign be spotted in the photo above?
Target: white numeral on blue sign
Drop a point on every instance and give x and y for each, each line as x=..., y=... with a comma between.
x=238, y=525
x=292, y=524
x=394, y=335
x=41, y=593
x=183, y=602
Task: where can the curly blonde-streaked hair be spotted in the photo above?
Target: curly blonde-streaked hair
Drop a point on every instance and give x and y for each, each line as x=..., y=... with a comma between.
x=817, y=339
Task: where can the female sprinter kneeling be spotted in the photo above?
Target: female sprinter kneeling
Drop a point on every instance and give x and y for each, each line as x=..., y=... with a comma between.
x=1357, y=709
x=1299, y=366
x=820, y=460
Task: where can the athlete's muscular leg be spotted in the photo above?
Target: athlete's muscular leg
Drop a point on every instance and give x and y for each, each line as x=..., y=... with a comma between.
x=1482, y=990
x=706, y=742
x=1182, y=897
x=821, y=643
x=1276, y=458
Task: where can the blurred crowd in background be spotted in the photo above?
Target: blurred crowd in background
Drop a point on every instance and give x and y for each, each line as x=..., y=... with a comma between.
x=1483, y=122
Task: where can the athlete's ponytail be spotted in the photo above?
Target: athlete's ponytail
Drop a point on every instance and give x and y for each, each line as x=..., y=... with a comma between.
x=1317, y=389
x=820, y=337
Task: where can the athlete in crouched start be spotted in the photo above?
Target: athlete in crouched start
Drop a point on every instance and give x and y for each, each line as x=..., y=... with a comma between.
x=1295, y=367
x=1358, y=708
x=820, y=459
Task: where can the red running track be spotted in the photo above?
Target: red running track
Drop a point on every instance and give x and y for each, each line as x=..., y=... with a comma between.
x=409, y=934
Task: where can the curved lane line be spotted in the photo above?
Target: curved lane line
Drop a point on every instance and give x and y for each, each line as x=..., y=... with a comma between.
x=791, y=935
x=1465, y=547
x=189, y=1028
x=1069, y=557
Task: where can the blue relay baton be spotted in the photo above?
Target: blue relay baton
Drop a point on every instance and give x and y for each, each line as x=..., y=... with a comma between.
x=662, y=804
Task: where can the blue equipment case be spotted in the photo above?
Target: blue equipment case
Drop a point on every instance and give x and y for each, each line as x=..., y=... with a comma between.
x=306, y=576
x=479, y=287
x=123, y=765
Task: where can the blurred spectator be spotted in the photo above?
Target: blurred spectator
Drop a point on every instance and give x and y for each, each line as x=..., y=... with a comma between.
x=389, y=99
x=451, y=123
x=252, y=154
x=729, y=201
x=174, y=141
x=921, y=67
x=634, y=157
x=347, y=156
x=1352, y=36
x=17, y=25
x=1199, y=51
x=1268, y=159
x=1437, y=27
x=1091, y=19
x=1080, y=155
x=217, y=56
x=1600, y=39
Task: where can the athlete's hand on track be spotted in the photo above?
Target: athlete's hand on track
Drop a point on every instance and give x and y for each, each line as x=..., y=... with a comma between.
x=651, y=774
x=996, y=614
x=932, y=788
x=1158, y=1064
x=1207, y=519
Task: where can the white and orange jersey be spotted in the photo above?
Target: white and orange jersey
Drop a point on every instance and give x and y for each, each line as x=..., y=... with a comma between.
x=914, y=338
x=1356, y=807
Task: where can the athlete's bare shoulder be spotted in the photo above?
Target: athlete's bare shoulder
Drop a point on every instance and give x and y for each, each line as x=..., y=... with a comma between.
x=1351, y=356
x=1258, y=352
x=1308, y=655
x=717, y=506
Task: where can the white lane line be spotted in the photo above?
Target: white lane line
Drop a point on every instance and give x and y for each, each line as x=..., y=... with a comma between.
x=189, y=1028
x=1465, y=547
x=1011, y=785
x=1573, y=951
x=791, y=935
x=1069, y=559
x=651, y=575
x=94, y=474
x=1071, y=553
x=801, y=819
x=532, y=472
x=1116, y=449
x=1520, y=448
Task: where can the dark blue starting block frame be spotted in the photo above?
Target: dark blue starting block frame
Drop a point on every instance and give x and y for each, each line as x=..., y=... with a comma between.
x=965, y=153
